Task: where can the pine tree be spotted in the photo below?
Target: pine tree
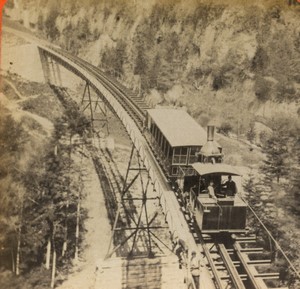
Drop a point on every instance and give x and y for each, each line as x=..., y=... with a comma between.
x=277, y=153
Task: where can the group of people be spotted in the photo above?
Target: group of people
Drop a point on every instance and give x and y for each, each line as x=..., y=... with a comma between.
x=229, y=187
x=195, y=264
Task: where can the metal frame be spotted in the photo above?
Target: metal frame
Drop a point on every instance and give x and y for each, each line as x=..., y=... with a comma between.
x=140, y=223
x=88, y=102
x=92, y=104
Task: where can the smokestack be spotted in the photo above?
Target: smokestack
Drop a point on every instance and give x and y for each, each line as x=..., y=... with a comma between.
x=210, y=151
x=210, y=132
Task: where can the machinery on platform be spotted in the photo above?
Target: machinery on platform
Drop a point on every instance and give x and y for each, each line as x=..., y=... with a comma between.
x=193, y=163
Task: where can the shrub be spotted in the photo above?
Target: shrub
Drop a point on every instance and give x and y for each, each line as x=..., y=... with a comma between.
x=50, y=24
x=260, y=60
x=262, y=88
x=251, y=134
x=225, y=128
x=218, y=82
x=285, y=91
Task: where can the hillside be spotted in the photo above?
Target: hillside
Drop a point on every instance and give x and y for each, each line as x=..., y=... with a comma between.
x=232, y=62
x=229, y=61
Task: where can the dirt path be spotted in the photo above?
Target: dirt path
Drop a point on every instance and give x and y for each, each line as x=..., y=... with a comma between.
x=17, y=112
x=14, y=89
x=98, y=230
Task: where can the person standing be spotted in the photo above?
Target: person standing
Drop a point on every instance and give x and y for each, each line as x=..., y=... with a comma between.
x=195, y=269
x=230, y=187
x=211, y=190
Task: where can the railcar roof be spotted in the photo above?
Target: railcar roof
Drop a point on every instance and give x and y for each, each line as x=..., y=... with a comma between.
x=178, y=127
x=207, y=169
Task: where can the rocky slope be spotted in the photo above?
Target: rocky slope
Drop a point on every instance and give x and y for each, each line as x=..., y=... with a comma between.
x=230, y=61
x=227, y=62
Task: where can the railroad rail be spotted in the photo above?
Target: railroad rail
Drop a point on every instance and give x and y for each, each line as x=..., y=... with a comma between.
x=131, y=112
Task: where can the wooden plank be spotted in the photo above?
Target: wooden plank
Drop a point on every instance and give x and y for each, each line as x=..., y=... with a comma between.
x=259, y=262
x=251, y=250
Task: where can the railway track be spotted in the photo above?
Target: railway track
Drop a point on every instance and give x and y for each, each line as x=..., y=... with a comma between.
x=228, y=260
x=234, y=259
x=225, y=260
x=132, y=104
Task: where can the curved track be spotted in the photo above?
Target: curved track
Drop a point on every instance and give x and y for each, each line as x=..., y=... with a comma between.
x=114, y=87
x=236, y=272
x=131, y=112
x=229, y=276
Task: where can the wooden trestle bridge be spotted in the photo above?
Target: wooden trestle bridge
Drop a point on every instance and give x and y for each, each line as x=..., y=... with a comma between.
x=130, y=110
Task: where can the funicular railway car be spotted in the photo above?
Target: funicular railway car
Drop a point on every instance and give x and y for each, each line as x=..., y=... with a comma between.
x=192, y=162
x=177, y=138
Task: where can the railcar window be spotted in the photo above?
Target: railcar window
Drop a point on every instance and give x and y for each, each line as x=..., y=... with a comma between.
x=162, y=143
x=166, y=149
x=174, y=171
x=152, y=129
x=184, y=151
x=158, y=137
x=180, y=155
x=193, y=157
x=155, y=132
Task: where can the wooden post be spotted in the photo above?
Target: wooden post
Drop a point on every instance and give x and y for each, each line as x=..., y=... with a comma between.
x=45, y=66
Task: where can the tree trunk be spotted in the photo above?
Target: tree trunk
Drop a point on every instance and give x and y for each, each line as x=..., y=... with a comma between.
x=48, y=254
x=77, y=229
x=19, y=237
x=64, y=248
x=18, y=255
x=19, y=245
x=13, y=266
x=53, y=269
x=53, y=257
x=65, y=244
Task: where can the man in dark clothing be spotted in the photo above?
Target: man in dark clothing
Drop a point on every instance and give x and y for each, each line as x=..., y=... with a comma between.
x=230, y=187
x=180, y=249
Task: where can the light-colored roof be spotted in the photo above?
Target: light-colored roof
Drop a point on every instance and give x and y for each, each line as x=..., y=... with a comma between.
x=178, y=127
x=206, y=169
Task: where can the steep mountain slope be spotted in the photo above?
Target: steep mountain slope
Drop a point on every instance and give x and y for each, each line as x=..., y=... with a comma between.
x=229, y=61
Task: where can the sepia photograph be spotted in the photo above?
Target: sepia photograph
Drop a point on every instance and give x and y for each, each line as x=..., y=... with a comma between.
x=150, y=144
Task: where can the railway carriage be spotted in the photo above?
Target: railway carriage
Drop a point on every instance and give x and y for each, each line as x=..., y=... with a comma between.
x=178, y=140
